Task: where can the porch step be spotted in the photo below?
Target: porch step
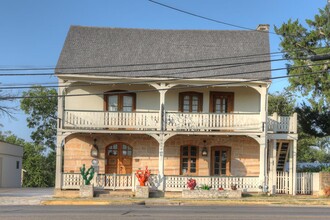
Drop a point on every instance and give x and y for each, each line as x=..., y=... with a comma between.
x=111, y=193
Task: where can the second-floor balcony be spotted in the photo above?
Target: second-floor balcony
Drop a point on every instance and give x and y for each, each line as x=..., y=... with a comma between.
x=175, y=121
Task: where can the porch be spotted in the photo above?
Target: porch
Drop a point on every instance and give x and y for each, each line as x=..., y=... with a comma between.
x=176, y=121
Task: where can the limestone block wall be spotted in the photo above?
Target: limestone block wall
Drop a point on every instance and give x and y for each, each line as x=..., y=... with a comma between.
x=244, y=152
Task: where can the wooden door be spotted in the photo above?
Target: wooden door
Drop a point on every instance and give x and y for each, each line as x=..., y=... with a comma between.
x=221, y=102
x=118, y=158
x=221, y=160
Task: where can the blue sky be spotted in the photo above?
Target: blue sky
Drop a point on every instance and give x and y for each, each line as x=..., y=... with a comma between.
x=33, y=32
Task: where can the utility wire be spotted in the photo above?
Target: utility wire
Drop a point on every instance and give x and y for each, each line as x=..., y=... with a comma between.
x=211, y=19
x=226, y=65
x=176, y=88
x=163, y=80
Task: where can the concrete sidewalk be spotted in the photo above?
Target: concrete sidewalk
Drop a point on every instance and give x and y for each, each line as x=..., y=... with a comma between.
x=44, y=196
x=25, y=196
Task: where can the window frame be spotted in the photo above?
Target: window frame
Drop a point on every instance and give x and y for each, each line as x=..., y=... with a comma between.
x=230, y=104
x=188, y=173
x=191, y=94
x=120, y=99
x=228, y=169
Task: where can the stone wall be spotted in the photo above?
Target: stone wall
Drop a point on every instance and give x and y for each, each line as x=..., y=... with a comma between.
x=244, y=152
x=211, y=194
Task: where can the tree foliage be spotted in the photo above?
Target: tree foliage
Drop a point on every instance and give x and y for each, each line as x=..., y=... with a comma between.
x=283, y=103
x=314, y=122
x=40, y=104
x=39, y=166
x=299, y=43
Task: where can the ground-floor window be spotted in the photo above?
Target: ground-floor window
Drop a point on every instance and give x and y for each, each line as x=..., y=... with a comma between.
x=189, y=158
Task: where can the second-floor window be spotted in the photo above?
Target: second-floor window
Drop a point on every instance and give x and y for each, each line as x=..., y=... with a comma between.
x=190, y=102
x=117, y=101
x=221, y=102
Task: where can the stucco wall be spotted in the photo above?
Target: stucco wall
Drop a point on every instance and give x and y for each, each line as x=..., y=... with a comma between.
x=246, y=99
x=244, y=152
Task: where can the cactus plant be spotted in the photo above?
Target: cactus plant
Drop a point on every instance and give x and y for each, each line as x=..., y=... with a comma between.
x=87, y=176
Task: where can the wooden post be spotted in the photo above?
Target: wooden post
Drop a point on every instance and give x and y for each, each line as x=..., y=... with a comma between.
x=294, y=167
x=263, y=162
x=161, y=163
x=272, y=167
x=59, y=155
x=291, y=177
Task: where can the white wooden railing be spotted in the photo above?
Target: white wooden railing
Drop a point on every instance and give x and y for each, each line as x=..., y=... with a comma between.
x=282, y=124
x=106, y=181
x=303, y=181
x=117, y=120
x=212, y=121
x=172, y=183
x=248, y=184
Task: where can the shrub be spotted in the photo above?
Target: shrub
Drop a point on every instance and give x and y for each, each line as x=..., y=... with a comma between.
x=205, y=187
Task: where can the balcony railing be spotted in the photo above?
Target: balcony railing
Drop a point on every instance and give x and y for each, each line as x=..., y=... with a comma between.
x=282, y=124
x=111, y=120
x=213, y=122
x=177, y=121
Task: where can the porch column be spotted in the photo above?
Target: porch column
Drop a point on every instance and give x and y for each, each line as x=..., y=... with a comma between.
x=59, y=167
x=272, y=167
x=161, y=178
x=263, y=162
x=294, y=168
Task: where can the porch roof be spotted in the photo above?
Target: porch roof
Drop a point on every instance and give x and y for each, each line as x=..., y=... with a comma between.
x=96, y=51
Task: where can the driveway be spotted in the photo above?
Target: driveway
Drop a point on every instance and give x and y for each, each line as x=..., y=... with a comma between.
x=24, y=196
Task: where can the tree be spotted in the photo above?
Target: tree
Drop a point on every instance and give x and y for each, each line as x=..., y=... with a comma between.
x=283, y=103
x=39, y=166
x=298, y=44
x=5, y=109
x=314, y=122
x=40, y=104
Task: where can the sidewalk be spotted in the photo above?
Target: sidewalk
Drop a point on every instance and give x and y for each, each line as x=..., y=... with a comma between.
x=44, y=196
x=254, y=200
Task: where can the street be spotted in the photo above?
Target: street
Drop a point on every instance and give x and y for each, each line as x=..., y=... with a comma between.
x=164, y=212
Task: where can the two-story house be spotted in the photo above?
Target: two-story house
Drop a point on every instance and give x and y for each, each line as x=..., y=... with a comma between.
x=185, y=103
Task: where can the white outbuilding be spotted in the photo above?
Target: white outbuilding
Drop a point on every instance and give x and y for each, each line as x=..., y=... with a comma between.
x=11, y=157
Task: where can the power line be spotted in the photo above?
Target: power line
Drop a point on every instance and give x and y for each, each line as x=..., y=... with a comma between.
x=210, y=19
x=155, y=81
x=177, y=88
x=226, y=65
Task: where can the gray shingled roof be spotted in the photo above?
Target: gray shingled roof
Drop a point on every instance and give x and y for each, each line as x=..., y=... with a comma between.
x=112, y=51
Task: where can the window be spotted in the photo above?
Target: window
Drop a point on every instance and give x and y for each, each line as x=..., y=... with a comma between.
x=221, y=161
x=221, y=102
x=124, y=102
x=189, y=158
x=17, y=164
x=191, y=102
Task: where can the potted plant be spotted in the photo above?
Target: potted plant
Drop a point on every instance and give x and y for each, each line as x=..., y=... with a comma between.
x=191, y=183
x=142, y=191
x=87, y=189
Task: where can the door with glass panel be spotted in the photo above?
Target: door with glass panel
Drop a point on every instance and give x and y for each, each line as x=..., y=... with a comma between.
x=220, y=161
x=118, y=158
x=119, y=107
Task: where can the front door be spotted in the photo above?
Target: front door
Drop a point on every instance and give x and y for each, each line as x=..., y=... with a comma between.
x=118, y=158
x=221, y=161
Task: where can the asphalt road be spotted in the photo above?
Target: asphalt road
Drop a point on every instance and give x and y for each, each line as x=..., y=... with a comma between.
x=165, y=212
